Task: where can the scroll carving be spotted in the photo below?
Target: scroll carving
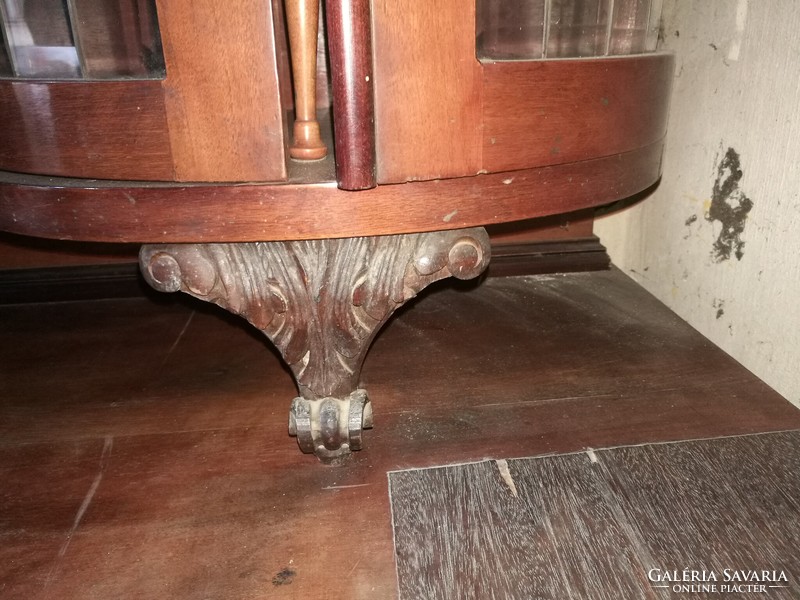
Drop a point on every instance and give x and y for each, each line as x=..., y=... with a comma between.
x=321, y=302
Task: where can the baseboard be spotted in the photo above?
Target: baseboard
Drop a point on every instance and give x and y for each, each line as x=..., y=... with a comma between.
x=557, y=256
x=63, y=284
x=122, y=280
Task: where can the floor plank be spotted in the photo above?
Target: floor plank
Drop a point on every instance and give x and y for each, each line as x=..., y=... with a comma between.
x=713, y=505
x=596, y=525
x=202, y=477
x=461, y=532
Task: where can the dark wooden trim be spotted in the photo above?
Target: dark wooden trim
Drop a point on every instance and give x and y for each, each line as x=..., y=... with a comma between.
x=123, y=280
x=131, y=212
x=350, y=47
x=60, y=284
x=552, y=256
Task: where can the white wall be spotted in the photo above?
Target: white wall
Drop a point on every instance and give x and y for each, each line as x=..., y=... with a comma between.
x=737, y=85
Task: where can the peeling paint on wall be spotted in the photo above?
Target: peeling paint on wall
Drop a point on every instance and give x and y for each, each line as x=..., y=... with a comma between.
x=730, y=207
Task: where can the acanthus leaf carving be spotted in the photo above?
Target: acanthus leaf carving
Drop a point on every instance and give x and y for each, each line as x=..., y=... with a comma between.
x=321, y=302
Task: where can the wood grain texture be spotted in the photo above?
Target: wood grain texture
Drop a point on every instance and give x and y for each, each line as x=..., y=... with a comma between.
x=714, y=505
x=462, y=533
x=594, y=525
x=289, y=212
x=550, y=112
x=427, y=90
x=104, y=130
x=350, y=43
x=221, y=91
x=204, y=495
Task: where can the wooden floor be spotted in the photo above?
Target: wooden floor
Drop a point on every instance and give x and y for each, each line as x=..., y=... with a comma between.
x=144, y=451
x=606, y=524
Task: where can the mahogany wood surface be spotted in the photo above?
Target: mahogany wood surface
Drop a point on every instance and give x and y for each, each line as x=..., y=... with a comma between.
x=350, y=43
x=104, y=130
x=565, y=226
x=221, y=91
x=68, y=210
x=438, y=111
x=427, y=90
x=586, y=108
x=441, y=113
x=179, y=414
x=24, y=252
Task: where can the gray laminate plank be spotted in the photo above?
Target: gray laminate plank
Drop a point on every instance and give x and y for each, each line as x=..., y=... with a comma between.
x=461, y=533
x=712, y=505
x=593, y=528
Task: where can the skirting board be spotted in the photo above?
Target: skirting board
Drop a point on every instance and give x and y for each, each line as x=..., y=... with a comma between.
x=122, y=280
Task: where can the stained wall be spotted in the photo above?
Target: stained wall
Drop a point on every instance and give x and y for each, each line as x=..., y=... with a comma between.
x=719, y=240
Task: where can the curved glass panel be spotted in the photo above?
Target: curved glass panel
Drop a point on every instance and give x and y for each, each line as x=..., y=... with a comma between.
x=536, y=29
x=80, y=39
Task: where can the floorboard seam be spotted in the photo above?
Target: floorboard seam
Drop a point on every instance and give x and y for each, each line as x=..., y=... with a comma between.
x=594, y=450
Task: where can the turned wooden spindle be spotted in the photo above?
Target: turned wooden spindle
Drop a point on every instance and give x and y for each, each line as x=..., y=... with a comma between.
x=302, y=17
x=350, y=45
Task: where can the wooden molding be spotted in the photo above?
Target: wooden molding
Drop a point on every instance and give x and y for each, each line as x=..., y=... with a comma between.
x=129, y=212
x=551, y=256
x=61, y=284
x=122, y=280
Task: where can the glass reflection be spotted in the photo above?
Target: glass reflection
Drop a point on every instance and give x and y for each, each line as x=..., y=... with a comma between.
x=90, y=39
x=39, y=38
x=535, y=29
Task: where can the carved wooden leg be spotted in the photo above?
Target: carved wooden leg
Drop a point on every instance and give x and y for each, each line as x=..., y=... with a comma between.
x=321, y=303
